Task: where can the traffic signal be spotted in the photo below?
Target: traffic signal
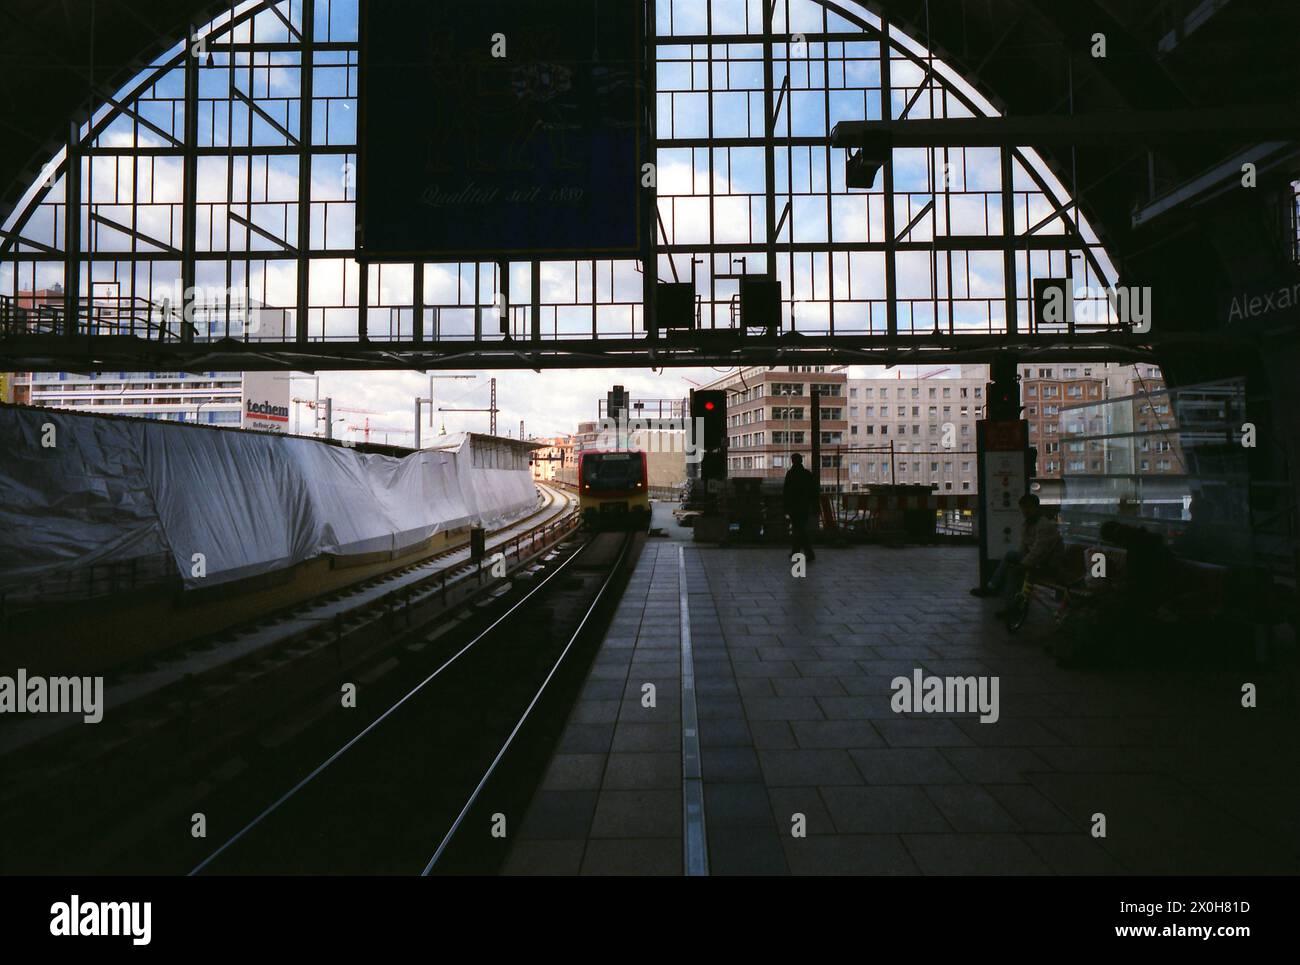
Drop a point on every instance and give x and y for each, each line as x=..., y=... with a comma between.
x=709, y=422
x=617, y=403
x=1003, y=393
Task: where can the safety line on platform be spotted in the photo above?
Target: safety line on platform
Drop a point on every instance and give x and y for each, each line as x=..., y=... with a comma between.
x=694, y=843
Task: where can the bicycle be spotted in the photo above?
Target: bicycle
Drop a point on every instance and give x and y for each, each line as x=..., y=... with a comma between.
x=1018, y=608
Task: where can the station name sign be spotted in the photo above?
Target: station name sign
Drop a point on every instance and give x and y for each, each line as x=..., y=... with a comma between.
x=1276, y=304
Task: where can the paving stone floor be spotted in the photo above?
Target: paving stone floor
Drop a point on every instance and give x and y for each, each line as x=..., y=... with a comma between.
x=793, y=695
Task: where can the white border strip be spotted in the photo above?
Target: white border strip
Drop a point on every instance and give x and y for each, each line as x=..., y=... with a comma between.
x=694, y=843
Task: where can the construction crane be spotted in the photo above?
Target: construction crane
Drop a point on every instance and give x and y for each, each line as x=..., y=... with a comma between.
x=311, y=404
x=324, y=409
x=367, y=428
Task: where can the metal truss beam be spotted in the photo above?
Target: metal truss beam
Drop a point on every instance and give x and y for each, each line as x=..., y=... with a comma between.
x=49, y=353
x=1220, y=178
x=256, y=108
x=134, y=233
x=1272, y=121
x=256, y=229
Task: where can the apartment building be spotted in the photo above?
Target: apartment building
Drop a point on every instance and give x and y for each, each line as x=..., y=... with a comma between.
x=1155, y=446
x=769, y=418
x=1063, y=426
x=553, y=456
x=1141, y=434
x=921, y=430
x=247, y=400
x=1044, y=389
x=915, y=431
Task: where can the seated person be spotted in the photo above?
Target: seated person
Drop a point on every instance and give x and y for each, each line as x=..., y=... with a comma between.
x=1040, y=544
x=1148, y=565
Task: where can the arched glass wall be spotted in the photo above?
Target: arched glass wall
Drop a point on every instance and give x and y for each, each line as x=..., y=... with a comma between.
x=228, y=166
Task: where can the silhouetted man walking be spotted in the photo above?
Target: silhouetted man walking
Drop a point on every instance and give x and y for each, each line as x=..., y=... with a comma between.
x=799, y=497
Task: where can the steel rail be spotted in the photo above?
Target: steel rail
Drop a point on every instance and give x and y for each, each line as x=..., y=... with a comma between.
x=582, y=625
x=481, y=636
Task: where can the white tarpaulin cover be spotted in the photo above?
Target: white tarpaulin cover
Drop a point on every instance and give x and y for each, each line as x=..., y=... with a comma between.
x=113, y=489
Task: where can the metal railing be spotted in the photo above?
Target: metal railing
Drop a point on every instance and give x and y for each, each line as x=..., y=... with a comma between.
x=89, y=581
x=158, y=321
x=99, y=315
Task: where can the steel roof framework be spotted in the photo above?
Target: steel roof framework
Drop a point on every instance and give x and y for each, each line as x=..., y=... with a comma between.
x=226, y=169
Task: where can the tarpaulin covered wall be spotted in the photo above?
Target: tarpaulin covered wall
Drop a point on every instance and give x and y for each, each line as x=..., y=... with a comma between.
x=109, y=490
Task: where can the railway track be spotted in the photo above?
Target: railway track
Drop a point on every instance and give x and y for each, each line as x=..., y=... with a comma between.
x=169, y=725
x=434, y=783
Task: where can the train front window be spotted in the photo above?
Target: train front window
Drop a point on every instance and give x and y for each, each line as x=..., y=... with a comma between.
x=612, y=471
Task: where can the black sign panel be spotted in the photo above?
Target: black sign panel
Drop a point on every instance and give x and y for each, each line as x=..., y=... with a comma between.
x=1274, y=304
x=499, y=127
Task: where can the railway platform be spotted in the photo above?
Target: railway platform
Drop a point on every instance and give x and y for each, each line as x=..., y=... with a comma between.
x=806, y=767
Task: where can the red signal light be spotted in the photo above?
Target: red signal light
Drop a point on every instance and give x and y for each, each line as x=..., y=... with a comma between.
x=708, y=406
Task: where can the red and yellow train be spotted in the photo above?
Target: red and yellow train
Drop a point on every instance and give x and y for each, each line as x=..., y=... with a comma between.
x=613, y=489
